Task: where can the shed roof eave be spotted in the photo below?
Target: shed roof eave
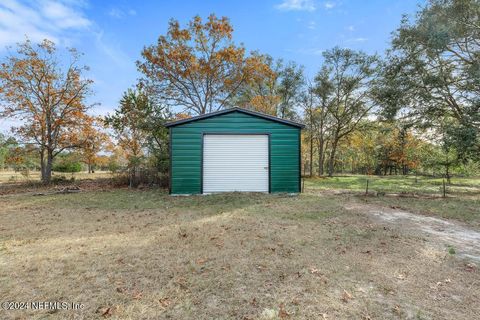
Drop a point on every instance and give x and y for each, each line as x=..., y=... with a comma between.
x=235, y=109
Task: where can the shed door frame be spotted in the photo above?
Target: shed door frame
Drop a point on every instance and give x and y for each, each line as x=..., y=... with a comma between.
x=237, y=134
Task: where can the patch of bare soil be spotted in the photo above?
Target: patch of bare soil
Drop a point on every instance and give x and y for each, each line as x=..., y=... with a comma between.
x=450, y=235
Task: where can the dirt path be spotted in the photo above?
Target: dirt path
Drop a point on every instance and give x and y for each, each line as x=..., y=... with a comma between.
x=438, y=232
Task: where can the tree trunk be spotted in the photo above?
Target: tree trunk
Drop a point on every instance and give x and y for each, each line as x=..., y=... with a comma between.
x=331, y=161
x=47, y=176
x=447, y=172
x=321, y=156
x=42, y=163
x=311, y=155
x=447, y=168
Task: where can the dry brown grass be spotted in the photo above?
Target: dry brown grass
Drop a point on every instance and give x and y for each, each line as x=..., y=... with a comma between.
x=33, y=176
x=145, y=255
x=85, y=183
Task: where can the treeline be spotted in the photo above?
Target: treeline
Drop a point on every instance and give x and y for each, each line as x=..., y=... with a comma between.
x=419, y=111
x=385, y=148
x=415, y=109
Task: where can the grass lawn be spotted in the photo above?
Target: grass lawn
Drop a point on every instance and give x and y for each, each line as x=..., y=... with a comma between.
x=16, y=177
x=145, y=255
x=462, y=202
x=395, y=184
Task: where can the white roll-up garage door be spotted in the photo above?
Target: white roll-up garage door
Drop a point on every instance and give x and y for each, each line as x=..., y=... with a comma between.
x=235, y=163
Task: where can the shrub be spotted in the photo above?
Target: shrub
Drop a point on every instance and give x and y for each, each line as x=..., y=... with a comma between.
x=68, y=167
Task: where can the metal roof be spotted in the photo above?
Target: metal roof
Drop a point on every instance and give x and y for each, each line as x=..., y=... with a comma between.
x=236, y=109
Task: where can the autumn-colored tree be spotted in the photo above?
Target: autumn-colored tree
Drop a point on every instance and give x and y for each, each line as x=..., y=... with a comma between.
x=127, y=122
x=259, y=93
x=116, y=160
x=198, y=67
x=47, y=96
x=362, y=148
x=96, y=140
x=274, y=87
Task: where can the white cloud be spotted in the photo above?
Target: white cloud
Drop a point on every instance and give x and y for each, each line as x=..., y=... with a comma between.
x=329, y=5
x=312, y=25
x=351, y=28
x=120, y=13
x=39, y=20
x=116, y=13
x=61, y=21
x=297, y=5
x=63, y=16
x=359, y=39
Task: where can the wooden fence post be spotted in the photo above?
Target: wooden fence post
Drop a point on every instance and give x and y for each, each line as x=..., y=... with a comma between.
x=366, y=190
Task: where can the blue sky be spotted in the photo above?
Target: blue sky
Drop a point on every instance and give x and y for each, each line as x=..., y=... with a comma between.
x=112, y=34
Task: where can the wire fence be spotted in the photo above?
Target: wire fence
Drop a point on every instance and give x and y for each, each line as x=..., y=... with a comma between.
x=403, y=186
x=368, y=191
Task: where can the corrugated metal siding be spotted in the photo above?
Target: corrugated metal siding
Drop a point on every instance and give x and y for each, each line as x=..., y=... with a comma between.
x=235, y=163
x=187, y=150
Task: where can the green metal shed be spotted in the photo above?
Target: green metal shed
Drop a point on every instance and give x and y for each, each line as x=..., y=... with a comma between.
x=234, y=150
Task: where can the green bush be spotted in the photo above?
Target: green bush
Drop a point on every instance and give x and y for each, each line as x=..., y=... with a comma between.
x=68, y=167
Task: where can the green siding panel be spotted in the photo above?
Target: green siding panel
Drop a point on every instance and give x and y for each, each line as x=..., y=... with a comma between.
x=186, y=150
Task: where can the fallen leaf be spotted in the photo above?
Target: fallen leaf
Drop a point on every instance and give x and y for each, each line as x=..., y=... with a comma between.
x=137, y=295
x=105, y=311
x=471, y=267
x=181, y=282
x=346, y=296
x=282, y=313
x=164, y=303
